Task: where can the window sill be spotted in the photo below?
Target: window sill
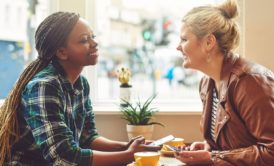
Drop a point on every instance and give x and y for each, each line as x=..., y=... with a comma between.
x=191, y=107
x=164, y=108
x=163, y=111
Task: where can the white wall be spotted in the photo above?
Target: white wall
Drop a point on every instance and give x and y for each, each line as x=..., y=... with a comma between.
x=259, y=32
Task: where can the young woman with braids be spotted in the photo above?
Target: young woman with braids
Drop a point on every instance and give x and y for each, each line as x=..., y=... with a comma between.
x=237, y=95
x=47, y=118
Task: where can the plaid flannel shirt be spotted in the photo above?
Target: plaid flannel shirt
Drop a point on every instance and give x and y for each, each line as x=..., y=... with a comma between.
x=56, y=123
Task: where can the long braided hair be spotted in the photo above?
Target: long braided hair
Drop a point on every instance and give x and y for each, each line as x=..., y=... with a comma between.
x=50, y=35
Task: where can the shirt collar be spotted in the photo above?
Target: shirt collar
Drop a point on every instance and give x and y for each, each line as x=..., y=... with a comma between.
x=75, y=88
x=228, y=63
x=227, y=67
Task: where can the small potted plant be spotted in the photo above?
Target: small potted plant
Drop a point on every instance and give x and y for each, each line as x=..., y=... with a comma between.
x=139, y=116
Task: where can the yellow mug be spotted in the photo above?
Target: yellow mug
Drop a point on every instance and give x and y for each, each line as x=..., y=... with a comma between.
x=176, y=142
x=146, y=158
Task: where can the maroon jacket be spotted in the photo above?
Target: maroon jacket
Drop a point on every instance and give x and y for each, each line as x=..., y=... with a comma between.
x=245, y=117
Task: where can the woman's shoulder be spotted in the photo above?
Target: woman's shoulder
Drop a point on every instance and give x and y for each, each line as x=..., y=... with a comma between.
x=244, y=67
x=248, y=76
x=47, y=76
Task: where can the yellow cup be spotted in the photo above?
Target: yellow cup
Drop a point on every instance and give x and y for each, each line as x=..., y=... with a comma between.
x=176, y=142
x=146, y=158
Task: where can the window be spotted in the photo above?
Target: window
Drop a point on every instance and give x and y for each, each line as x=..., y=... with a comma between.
x=18, y=24
x=141, y=36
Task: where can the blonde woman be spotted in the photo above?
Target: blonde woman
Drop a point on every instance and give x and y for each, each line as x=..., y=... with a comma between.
x=237, y=95
x=47, y=119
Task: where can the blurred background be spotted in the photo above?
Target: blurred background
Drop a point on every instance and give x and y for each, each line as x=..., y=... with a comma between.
x=140, y=35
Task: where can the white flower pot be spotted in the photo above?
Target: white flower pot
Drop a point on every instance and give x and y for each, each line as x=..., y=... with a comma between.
x=144, y=130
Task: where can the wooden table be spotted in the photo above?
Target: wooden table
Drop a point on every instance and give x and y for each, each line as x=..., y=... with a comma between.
x=166, y=161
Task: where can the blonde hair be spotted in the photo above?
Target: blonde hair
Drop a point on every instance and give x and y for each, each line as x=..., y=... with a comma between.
x=50, y=35
x=217, y=20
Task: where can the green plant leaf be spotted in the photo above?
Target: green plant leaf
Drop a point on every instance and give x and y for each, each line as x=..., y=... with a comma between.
x=139, y=113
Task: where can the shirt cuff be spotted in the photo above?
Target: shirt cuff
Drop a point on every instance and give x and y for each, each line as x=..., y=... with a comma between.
x=86, y=157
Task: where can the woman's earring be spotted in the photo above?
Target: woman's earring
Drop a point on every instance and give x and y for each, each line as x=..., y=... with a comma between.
x=208, y=59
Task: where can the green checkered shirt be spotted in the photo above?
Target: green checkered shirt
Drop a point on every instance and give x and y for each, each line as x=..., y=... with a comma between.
x=56, y=122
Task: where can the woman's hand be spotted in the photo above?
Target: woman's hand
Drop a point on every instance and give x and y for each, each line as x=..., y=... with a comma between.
x=200, y=146
x=132, y=140
x=138, y=145
x=199, y=157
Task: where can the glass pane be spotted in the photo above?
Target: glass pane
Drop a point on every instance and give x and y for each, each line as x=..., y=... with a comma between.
x=142, y=36
x=18, y=22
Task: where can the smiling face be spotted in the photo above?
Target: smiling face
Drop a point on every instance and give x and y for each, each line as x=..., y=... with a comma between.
x=81, y=47
x=192, y=48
